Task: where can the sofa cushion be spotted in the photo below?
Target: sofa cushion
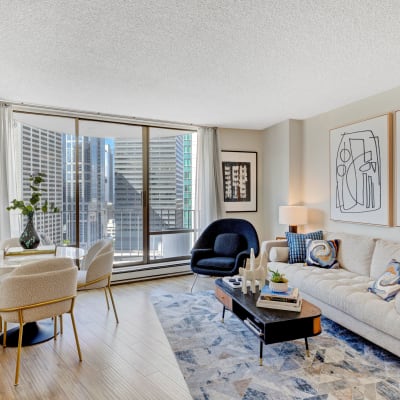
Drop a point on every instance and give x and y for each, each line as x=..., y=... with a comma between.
x=297, y=245
x=388, y=284
x=397, y=302
x=322, y=253
x=385, y=250
x=280, y=254
x=355, y=251
x=345, y=291
x=228, y=244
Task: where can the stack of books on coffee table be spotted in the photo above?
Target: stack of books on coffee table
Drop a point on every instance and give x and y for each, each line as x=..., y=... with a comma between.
x=290, y=300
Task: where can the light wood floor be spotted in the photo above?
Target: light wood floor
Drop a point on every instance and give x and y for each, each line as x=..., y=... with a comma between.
x=131, y=360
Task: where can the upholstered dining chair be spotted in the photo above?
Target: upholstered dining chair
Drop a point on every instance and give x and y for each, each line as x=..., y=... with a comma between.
x=35, y=291
x=8, y=243
x=223, y=247
x=96, y=269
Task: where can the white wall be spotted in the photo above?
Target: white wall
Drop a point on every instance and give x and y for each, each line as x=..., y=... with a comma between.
x=282, y=172
x=247, y=140
x=316, y=161
x=281, y=144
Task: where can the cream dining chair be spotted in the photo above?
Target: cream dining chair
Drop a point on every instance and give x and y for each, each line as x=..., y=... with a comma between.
x=35, y=291
x=96, y=269
x=8, y=243
x=5, y=245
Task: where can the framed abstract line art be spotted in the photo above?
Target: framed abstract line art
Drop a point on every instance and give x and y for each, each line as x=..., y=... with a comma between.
x=239, y=178
x=361, y=171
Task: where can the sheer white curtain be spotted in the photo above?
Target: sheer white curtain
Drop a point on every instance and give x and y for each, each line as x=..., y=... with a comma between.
x=209, y=199
x=9, y=172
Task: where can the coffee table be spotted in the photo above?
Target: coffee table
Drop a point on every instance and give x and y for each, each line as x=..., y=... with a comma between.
x=269, y=325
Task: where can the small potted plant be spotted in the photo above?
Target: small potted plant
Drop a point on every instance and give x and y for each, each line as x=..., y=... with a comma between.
x=278, y=282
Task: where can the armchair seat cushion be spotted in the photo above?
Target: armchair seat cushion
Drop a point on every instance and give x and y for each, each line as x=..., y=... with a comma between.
x=217, y=263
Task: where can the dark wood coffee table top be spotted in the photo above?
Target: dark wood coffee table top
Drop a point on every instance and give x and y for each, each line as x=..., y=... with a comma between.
x=270, y=325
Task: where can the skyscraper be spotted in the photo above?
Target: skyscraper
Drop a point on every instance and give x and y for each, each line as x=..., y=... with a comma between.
x=42, y=152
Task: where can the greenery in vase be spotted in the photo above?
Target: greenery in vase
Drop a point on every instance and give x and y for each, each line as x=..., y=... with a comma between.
x=34, y=203
x=277, y=277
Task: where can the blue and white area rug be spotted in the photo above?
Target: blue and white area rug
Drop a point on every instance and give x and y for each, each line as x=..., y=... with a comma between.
x=220, y=360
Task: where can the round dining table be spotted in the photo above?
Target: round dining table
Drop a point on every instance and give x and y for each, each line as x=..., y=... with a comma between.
x=41, y=331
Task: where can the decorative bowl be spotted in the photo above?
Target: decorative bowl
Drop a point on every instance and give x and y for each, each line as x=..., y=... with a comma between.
x=279, y=286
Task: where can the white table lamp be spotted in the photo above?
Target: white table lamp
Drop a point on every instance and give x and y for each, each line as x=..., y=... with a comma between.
x=292, y=216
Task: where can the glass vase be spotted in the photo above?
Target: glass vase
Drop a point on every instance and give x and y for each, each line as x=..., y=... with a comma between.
x=29, y=238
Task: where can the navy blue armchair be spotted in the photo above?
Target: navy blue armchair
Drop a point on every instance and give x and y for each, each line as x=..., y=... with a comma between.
x=223, y=247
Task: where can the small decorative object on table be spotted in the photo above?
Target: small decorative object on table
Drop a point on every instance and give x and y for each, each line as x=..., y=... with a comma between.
x=29, y=238
x=278, y=282
x=255, y=276
x=290, y=300
x=233, y=281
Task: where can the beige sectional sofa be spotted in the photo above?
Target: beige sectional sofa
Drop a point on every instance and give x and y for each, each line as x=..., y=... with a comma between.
x=342, y=293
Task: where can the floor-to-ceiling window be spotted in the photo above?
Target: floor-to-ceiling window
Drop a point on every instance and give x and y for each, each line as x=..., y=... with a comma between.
x=135, y=184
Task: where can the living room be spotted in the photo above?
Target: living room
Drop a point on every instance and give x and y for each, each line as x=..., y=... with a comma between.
x=274, y=78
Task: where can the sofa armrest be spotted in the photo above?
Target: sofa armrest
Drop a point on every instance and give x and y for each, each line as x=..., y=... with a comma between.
x=268, y=244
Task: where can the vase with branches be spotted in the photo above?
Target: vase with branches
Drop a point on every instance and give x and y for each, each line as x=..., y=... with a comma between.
x=29, y=238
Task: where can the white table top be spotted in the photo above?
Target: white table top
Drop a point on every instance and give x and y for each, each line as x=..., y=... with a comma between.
x=8, y=263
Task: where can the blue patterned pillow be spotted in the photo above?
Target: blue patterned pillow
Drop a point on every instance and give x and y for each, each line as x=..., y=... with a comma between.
x=297, y=245
x=322, y=253
x=388, y=284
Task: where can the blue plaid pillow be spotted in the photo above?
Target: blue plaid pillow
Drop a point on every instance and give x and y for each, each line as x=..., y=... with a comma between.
x=297, y=245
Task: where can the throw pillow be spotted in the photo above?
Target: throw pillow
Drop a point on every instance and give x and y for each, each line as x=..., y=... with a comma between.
x=297, y=245
x=279, y=254
x=388, y=284
x=322, y=253
x=228, y=244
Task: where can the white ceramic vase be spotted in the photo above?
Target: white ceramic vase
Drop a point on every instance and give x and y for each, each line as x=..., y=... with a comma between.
x=279, y=286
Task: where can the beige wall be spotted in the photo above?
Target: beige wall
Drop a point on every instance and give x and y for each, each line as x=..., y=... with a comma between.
x=282, y=172
x=279, y=153
x=293, y=167
x=247, y=140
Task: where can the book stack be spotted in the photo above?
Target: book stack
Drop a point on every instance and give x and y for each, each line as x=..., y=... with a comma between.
x=290, y=300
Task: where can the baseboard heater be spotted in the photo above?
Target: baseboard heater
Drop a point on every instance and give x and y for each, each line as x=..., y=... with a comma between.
x=149, y=271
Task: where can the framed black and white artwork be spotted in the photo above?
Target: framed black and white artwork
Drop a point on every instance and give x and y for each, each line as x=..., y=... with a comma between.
x=361, y=171
x=239, y=176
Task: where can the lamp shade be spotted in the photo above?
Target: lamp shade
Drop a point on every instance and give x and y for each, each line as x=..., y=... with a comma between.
x=292, y=215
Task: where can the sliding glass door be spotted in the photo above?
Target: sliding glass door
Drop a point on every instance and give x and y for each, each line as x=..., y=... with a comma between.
x=40, y=142
x=134, y=184
x=170, y=193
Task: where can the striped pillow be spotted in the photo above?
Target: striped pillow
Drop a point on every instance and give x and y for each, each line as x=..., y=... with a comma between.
x=297, y=245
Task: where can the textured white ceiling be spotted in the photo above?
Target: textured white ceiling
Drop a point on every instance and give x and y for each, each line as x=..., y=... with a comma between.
x=232, y=63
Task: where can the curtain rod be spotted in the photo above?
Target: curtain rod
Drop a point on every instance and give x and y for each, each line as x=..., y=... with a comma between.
x=98, y=116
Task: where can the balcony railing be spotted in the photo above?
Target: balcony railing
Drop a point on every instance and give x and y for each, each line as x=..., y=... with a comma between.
x=171, y=231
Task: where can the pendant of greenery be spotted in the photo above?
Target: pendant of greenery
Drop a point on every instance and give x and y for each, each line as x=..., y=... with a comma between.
x=34, y=204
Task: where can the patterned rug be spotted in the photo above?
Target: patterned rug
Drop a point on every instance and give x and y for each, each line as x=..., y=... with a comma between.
x=220, y=360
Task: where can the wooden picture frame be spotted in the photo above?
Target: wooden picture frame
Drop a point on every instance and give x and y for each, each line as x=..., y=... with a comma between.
x=239, y=180
x=361, y=188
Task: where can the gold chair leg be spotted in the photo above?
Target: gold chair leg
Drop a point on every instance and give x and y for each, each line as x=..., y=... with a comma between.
x=5, y=334
x=112, y=300
x=78, y=347
x=21, y=330
x=55, y=327
x=108, y=304
x=61, y=324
